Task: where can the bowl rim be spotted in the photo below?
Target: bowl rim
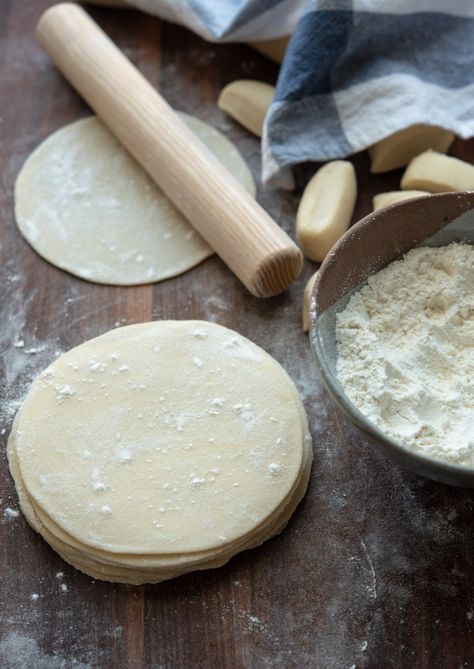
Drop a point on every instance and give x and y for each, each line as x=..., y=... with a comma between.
x=389, y=445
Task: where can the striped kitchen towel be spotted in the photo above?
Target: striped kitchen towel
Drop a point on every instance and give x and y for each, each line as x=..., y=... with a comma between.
x=355, y=71
x=230, y=20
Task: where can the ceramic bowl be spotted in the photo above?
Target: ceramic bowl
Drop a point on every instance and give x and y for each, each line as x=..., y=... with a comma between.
x=366, y=248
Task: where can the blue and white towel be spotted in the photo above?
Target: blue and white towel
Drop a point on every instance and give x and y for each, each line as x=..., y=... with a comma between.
x=355, y=71
x=230, y=20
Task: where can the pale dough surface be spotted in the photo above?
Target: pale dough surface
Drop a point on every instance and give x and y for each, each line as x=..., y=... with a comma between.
x=177, y=440
x=85, y=205
x=141, y=569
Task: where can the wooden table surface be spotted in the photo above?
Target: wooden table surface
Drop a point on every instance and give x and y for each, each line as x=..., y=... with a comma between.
x=374, y=570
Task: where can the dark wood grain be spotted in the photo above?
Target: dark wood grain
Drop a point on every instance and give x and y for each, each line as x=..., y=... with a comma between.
x=375, y=568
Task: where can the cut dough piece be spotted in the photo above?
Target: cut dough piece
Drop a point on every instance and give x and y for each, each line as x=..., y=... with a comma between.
x=438, y=173
x=274, y=49
x=307, y=301
x=157, y=449
x=398, y=149
x=391, y=197
x=87, y=206
x=326, y=208
x=247, y=102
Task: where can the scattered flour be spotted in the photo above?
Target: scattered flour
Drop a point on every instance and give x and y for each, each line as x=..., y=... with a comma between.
x=18, y=365
x=406, y=351
x=18, y=651
x=65, y=391
x=275, y=469
x=11, y=513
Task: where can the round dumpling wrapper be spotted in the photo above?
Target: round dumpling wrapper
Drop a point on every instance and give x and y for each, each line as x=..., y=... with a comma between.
x=85, y=205
x=171, y=437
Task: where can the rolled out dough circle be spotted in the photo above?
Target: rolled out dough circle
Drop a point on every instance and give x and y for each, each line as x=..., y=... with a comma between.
x=85, y=205
x=161, y=441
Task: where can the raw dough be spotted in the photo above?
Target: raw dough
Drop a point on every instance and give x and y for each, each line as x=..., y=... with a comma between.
x=247, y=101
x=274, y=49
x=392, y=197
x=437, y=173
x=157, y=448
x=399, y=149
x=84, y=204
x=326, y=208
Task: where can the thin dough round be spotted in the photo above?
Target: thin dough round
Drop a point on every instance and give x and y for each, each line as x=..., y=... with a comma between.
x=85, y=205
x=157, y=448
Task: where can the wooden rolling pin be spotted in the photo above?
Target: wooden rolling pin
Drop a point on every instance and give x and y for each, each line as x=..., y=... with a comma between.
x=236, y=227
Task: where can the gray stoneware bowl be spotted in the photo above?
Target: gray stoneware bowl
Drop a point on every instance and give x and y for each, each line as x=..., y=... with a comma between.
x=367, y=247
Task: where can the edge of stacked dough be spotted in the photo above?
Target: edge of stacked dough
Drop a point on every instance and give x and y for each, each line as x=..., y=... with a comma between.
x=137, y=569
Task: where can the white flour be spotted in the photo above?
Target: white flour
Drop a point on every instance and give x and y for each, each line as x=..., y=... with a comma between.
x=406, y=351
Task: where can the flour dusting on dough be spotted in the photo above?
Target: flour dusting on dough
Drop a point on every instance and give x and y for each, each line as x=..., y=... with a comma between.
x=70, y=206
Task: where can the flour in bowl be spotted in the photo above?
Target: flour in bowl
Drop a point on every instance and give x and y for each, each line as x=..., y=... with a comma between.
x=406, y=351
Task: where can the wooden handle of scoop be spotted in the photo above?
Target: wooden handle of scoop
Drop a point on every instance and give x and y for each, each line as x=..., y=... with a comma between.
x=237, y=228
